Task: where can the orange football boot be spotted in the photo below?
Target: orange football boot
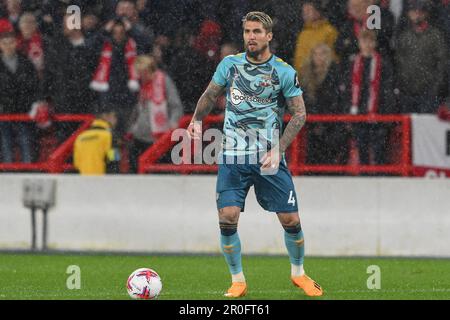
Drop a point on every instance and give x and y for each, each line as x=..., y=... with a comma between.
x=237, y=290
x=311, y=288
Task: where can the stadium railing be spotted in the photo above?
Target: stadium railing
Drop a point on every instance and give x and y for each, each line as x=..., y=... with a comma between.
x=148, y=161
x=56, y=162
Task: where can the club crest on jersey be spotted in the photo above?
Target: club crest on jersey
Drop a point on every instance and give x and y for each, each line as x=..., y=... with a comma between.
x=266, y=81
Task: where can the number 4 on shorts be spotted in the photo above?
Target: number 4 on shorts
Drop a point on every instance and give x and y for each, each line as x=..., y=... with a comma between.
x=291, y=198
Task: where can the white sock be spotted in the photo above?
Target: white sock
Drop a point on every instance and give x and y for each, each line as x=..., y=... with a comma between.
x=297, y=271
x=238, y=277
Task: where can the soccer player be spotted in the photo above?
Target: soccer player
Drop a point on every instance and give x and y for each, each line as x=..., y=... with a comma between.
x=259, y=86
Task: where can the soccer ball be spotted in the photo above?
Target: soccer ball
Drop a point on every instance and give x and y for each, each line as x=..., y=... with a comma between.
x=144, y=283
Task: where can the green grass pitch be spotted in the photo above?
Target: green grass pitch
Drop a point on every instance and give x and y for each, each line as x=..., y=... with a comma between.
x=40, y=276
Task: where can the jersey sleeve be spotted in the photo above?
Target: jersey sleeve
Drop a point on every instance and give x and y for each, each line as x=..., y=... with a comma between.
x=221, y=74
x=291, y=85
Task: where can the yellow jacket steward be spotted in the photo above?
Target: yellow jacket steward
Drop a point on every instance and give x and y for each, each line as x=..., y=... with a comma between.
x=93, y=149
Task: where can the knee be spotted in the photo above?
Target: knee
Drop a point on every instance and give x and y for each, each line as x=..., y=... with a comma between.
x=291, y=223
x=228, y=220
x=229, y=215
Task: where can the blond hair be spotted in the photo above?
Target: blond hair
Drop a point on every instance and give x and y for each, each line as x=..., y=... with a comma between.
x=312, y=76
x=259, y=16
x=145, y=62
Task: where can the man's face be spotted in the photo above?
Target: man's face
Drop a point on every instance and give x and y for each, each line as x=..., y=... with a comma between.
x=13, y=5
x=89, y=22
x=357, y=8
x=28, y=26
x=309, y=13
x=125, y=9
x=366, y=45
x=416, y=16
x=256, y=38
x=8, y=46
x=118, y=33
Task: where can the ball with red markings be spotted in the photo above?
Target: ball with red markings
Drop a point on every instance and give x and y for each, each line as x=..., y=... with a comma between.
x=144, y=283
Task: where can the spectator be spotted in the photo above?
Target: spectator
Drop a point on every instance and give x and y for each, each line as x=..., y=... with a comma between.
x=230, y=14
x=90, y=24
x=320, y=81
x=356, y=21
x=385, y=34
x=421, y=60
x=444, y=19
x=14, y=11
x=115, y=78
x=127, y=11
x=285, y=17
x=69, y=65
x=42, y=112
x=370, y=92
x=19, y=89
x=207, y=42
x=336, y=12
x=166, y=17
x=437, y=13
x=52, y=15
x=93, y=149
x=30, y=5
x=141, y=5
x=347, y=43
x=68, y=70
x=161, y=51
x=189, y=70
x=158, y=110
x=316, y=30
x=30, y=41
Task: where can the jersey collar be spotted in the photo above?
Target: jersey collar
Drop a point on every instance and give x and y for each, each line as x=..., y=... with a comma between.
x=260, y=63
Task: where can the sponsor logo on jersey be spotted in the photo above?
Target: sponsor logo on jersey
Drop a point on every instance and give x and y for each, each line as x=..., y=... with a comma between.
x=237, y=97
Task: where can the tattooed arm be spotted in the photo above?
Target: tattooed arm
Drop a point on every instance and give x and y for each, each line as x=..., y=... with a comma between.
x=207, y=101
x=204, y=106
x=296, y=107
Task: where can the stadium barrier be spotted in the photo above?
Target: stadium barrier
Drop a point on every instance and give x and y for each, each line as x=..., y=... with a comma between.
x=56, y=163
x=295, y=153
x=341, y=216
x=148, y=161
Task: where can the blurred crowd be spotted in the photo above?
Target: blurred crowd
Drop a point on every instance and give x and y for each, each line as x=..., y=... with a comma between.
x=344, y=68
